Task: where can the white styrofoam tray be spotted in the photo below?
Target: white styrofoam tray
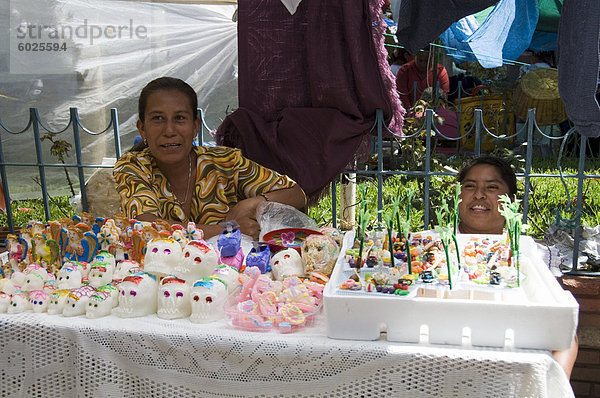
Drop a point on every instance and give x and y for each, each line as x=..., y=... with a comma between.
x=546, y=318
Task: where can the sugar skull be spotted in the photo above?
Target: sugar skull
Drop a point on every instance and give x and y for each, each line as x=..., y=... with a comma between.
x=286, y=262
x=113, y=292
x=319, y=254
x=208, y=298
x=101, y=274
x=333, y=233
x=18, y=278
x=173, y=298
x=105, y=257
x=34, y=268
x=9, y=287
x=162, y=255
x=18, y=304
x=199, y=260
x=33, y=281
x=69, y=276
x=137, y=295
x=49, y=286
x=39, y=300
x=77, y=301
x=58, y=298
x=123, y=267
x=4, y=302
x=259, y=256
x=229, y=275
x=99, y=305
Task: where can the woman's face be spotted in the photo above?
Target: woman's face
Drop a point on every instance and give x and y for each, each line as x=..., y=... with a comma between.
x=478, y=209
x=169, y=126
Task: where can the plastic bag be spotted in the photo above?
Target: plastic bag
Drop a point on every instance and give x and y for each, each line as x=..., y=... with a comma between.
x=273, y=215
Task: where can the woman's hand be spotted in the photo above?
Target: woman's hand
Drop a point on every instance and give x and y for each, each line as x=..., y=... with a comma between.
x=244, y=213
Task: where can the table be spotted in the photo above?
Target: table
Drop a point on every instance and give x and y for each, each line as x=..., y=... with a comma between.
x=48, y=355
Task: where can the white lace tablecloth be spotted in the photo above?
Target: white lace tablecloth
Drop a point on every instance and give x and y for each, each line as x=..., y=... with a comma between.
x=51, y=356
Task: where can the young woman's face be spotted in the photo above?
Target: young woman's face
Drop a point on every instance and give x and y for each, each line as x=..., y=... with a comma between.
x=169, y=126
x=478, y=209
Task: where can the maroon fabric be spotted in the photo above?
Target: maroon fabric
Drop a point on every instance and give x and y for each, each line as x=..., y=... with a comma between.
x=309, y=86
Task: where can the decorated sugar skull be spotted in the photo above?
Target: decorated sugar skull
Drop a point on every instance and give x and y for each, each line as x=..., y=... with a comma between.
x=99, y=305
x=229, y=275
x=173, y=298
x=333, y=233
x=77, y=301
x=69, y=276
x=34, y=268
x=39, y=300
x=105, y=257
x=9, y=287
x=137, y=296
x=199, y=260
x=123, y=267
x=18, y=278
x=33, y=281
x=49, y=286
x=18, y=304
x=286, y=262
x=4, y=302
x=101, y=274
x=319, y=254
x=58, y=298
x=208, y=298
x=162, y=256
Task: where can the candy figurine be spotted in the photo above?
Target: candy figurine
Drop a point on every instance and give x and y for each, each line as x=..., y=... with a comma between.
x=100, y=274
x=173, y=298
x=286, y=262
x=230, y=240
x=69, y=276
x=137, y=295
x=17, y=251
x=82, y=246
x=319, y=254
x=207, y=299
x=259, y=256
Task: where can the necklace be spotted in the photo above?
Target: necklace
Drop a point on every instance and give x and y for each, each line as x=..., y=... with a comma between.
x=187, y=189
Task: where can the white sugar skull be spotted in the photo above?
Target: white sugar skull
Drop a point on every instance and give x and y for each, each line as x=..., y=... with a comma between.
x=113, y=292
x=8, y=286
x=18, y=278
x=49, y=286
x=208, y=298
x=69, y=277
x=34, y=268
x=101, y=274
x=99, y=305
x=123, y=267
x=137, y=296
x=33, y=281
x=18, y=304
x=162, y=256
x=229, y=275
x=286, y=262
x=77, y=301
x=39, y=300
x=58, y=298
x=105, y=257
x=319, y=254
x=4, y=302
x=173, y=298
x=199, y=260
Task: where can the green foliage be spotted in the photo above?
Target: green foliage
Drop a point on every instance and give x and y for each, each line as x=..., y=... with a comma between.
x=26, y=210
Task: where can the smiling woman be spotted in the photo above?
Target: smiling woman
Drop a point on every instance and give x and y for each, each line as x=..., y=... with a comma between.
x=167, y=177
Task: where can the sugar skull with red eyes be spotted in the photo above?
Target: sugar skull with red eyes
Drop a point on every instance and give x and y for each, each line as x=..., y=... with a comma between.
x=287, y=262
x=208, y=297
x=199, y=260
x=137, y=296
x=173, y=298
x=162, y=255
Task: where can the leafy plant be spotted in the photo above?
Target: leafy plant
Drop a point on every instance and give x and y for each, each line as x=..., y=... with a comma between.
x=60, y=149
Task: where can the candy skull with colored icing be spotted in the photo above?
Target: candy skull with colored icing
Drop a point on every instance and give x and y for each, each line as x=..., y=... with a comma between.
x=58, y=298
x=113, y=293
x=199, y=260
x=208, y=297
x=173, y=298
x=4, y=302
x=137, y=295
x=229, y=275
x=34, y=268
x=8, y=286
x=123, y=267
x=99, y=305
x=105, y=257
x=18, y=279
x=286, y=262
x=77, y=301
x=33, y=281
x=101, y=273
x=39, y=300
x=69, y=276
x=18, y=303
x=319, y=254
x=162, y=256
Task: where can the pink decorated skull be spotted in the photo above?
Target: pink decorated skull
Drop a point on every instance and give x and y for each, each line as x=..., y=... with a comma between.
x=208, y=298
x=39, y=301
x=162, y=256
x=137, y=296
x=173, y=298
x=77, y=301
x=199, y=260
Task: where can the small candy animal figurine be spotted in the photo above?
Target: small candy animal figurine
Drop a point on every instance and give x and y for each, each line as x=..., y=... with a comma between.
x=18, y=303
x=4, y=302
x=99, y=305
x=286, y=262
x=319, y=254
x=162, y=256
x=39, y=301
x=77, y=301
x=230, y=240
x=173, y=298
x=58, y=298
x=137, y=296
x=229, y=275
x=199, y=260
x=46, y=252
x=208, y=298
x=259, y=256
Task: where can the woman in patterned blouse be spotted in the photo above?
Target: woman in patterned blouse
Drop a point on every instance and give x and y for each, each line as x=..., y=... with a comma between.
x=167, y=177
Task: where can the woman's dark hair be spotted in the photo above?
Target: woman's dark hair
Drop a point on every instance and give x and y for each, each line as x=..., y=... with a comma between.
x=164, y=83
x=504, y=168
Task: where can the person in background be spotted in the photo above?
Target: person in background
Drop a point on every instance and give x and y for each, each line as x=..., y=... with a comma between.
x=483, y=180
x=449, y=126
x=419, y=70
x=400, y=57
x=167, y=177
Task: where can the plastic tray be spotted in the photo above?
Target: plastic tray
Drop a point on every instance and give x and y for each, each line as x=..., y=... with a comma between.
x=540, y=315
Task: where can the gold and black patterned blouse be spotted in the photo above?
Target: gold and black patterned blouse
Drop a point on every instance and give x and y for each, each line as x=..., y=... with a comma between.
x=223, y=178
